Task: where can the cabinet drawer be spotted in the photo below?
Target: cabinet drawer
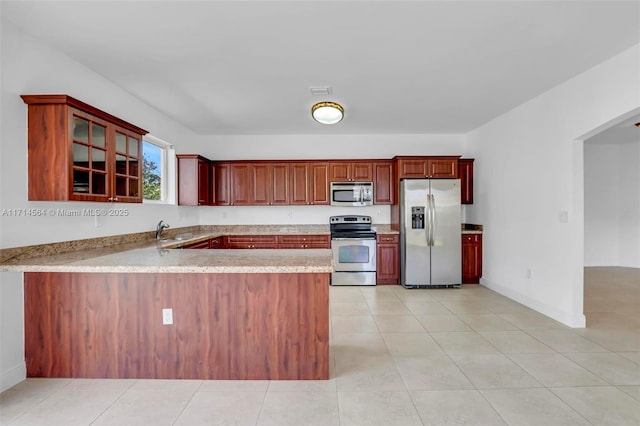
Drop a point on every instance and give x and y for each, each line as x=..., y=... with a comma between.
x=304, y=241
x=283, y=239
x=252, y=242
x=471, y=238
x=388, y=238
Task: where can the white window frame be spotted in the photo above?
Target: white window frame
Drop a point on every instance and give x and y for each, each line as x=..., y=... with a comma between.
x=167, y=171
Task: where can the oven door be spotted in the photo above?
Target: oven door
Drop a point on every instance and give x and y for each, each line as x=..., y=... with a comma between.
x=354, y=261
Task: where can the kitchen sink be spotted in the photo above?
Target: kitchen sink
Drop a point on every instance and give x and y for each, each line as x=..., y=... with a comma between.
x=169, y=240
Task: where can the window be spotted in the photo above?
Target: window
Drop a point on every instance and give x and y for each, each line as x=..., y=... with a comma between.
x=158, y=170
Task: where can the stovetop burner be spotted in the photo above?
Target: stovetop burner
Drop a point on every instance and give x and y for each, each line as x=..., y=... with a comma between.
x=351, y=226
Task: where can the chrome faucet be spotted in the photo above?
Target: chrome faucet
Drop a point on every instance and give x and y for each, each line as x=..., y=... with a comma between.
x=161, y=226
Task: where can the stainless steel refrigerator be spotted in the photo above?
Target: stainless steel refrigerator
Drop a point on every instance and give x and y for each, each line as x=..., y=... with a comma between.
x=430, y=237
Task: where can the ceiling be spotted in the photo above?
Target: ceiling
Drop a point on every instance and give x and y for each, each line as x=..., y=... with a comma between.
x=397, y=67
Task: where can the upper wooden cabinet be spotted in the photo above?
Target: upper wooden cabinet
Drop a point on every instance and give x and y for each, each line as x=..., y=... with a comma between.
x=292, y=182
x=309, y=183
x=194, y=180
x=221, y=181
x=465, y=173
x=384, y=182
x=270, y=184
x=428, y=167
x=241, y=183
x=78, y=152
x=259, y=183
x=347, y=171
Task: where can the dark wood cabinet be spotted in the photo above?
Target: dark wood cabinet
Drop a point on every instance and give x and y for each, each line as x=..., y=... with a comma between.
x=293, y=241
x=471, y=258
x=384, y=182
x=221, y=196
x=241, y=184
x=252, y=183
x=465, y=173
x=350, y=171
x=388, y=259
x=304, y=242
x=252, y=242
x=428, y=167
x=308, y=183
x=194, y=180
x=77, y=152
x=266, y=182
x=270, y=183
x=217, y=243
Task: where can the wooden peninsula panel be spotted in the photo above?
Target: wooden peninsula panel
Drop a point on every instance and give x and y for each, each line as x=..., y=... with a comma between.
x=272, y=326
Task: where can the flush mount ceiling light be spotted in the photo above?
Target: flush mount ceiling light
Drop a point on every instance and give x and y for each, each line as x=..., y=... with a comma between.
x=327, y=112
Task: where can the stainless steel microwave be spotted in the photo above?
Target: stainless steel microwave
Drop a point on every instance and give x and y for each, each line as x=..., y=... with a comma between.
x=352, y=194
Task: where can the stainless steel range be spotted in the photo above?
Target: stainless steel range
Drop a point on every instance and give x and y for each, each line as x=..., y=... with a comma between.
x=353, y=243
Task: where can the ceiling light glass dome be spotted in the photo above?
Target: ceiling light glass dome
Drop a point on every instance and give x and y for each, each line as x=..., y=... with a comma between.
x=327, y=112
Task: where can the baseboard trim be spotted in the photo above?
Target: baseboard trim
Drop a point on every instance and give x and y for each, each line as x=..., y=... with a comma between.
x=13, y=376
x=570, y=319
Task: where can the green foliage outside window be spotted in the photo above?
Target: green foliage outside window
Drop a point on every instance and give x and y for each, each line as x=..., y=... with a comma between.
x=151, y=175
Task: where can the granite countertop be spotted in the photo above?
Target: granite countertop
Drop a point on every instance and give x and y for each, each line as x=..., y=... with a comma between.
x=158, y=259
x=150, y=255
x=470, y=228
x=142, y=253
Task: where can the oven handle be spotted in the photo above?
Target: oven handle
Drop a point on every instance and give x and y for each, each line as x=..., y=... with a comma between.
x=354, y=239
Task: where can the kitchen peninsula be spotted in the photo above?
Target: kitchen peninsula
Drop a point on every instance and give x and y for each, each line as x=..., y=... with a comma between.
x=235, y=314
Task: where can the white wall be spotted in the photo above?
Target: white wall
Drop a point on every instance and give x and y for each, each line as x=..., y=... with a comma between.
x=252, y=147
x=630, y=206
x=612, y=204
x=29, y=66
x=530, y=171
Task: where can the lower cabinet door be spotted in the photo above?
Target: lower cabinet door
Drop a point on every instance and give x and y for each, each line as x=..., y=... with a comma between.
x=388, y=260
x=471, y=258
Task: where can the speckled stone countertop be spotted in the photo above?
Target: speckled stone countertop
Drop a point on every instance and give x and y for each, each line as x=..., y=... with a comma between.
x=161, y=260
x=142, y=253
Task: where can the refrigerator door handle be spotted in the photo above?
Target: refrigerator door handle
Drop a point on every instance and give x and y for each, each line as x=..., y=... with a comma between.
x=433, y=219
x=430, y=222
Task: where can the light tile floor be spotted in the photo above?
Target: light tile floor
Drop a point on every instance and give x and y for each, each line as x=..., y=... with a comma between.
x=401, y=357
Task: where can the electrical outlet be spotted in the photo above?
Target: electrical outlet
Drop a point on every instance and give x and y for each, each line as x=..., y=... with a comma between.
x=167, y=316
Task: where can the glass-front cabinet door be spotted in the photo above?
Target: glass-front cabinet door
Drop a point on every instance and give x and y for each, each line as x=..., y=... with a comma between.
x=127, y=165
x=78, y=152
x=89, y=141
x=107, y=160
